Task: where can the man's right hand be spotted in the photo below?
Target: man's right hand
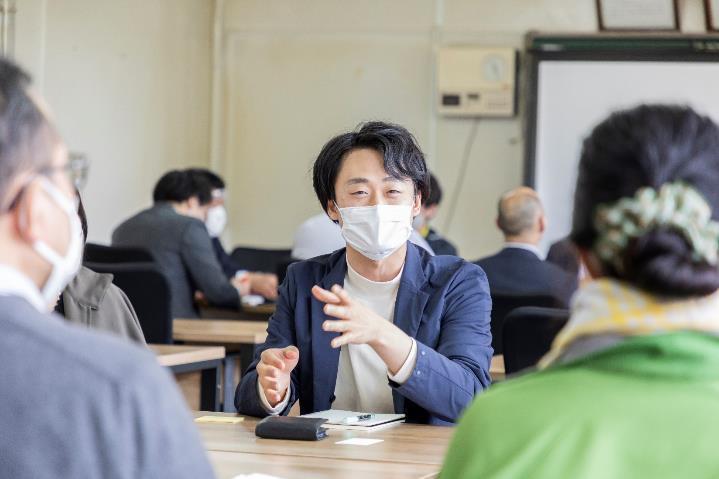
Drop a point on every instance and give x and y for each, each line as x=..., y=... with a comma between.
x=273, y=372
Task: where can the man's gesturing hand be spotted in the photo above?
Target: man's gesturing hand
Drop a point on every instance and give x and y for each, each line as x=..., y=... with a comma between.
x=273, y=372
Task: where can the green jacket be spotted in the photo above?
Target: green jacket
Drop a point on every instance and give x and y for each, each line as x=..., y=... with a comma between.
x=648, y=407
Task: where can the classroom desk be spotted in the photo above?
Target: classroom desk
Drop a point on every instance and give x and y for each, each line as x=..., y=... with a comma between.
x=261, y=312
x=195, y=359
x=238, y=337
x=407, y=450
x=228, y=465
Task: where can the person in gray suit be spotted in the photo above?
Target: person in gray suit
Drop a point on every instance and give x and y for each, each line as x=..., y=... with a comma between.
x=75, y=403
x=174, y=232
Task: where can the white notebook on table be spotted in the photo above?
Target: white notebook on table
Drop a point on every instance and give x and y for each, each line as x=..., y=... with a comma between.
x=336, y=420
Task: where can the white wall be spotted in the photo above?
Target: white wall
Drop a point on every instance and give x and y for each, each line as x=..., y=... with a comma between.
x=295, y=73
x=129, y=83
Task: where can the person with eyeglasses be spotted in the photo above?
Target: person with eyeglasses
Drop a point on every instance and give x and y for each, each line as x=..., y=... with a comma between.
x=380, y=326
x=75, y=403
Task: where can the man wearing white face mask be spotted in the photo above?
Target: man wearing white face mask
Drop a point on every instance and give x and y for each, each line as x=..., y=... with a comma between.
x=216, y=221
x=174, y=231
x=380, y=326
x=75, y=403
x=264, y=284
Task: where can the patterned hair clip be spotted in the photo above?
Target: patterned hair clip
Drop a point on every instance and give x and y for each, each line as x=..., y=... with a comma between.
x=676, y=206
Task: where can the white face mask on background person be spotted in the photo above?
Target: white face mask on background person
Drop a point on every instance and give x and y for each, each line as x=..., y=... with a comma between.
x=216, y=220
x=376, y=231
x=64, y=268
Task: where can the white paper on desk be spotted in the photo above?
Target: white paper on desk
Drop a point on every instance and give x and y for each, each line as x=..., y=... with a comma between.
x=335, y=417
x=252, y=300
x=359, y=441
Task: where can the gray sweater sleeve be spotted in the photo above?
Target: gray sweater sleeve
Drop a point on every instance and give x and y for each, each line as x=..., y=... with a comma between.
x=205, y=270
x=166, y=441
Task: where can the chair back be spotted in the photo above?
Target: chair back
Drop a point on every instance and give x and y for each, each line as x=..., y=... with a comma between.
x=257, y=259
x=528, y=335
x=504, y=303
x=97, y=253
x=148, y=291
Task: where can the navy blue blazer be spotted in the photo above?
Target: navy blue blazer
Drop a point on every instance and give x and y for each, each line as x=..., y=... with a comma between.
x=518, y=271
x=443, y=303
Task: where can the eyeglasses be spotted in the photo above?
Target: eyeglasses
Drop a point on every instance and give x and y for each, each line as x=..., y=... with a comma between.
x=76, y=170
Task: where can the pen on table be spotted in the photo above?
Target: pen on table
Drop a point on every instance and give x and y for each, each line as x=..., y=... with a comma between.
x=357, y=418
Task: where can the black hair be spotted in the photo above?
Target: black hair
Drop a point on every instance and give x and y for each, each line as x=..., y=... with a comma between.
x=646, y=147
x=216, y=182
x=27, y=137
x=82, y=215
x=434, y=196
x=181, y=185
x=403, y=159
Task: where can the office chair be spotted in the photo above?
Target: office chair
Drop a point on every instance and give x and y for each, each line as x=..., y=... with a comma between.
x=258, y=259
x=97, y=253
x=528, y=335
x=147, y=289
x=504, y=303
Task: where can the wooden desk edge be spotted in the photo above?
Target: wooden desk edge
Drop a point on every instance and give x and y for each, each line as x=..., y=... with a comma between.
x=187, y=355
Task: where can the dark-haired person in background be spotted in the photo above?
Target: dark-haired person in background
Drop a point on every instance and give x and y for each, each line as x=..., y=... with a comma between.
x=379, y=326
x=92, y=300
x=565, y=254
x=75, y=403
x=264, y=284
x=518, y=268
x=629, y=388
x=430, y=207
x=174, y=231
x=217, y=220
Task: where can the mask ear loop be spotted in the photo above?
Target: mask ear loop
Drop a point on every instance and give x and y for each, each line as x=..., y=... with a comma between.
x=339, y=212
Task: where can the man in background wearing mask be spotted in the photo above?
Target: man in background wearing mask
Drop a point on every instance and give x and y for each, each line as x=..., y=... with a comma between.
x=430, y=207
x=264, y=284
x=380, y=326
x=75, y=403
x=217, y=220
x=173, y=230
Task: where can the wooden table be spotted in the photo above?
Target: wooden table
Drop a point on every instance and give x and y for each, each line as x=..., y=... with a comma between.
x=219, y=331
x=238, y=337
x=260, y=312
x=407, y=451
x=189, y=359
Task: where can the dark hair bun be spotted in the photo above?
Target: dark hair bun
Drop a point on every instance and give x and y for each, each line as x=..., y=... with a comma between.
x=649, y=146
x=661, y=262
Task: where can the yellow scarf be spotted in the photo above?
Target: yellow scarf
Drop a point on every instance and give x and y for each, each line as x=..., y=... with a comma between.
x=608, y=306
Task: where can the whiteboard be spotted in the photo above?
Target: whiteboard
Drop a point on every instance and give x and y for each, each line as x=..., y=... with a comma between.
x=574, y=95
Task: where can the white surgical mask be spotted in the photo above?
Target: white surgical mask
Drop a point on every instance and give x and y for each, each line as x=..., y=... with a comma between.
x=216, y=220
x=376, y=231
x=64, y=268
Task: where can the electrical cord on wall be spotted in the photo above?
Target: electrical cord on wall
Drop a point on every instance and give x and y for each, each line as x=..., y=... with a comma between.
x=461, y=175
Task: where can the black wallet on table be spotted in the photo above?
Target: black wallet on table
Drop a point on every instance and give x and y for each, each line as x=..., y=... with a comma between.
x=286, y=427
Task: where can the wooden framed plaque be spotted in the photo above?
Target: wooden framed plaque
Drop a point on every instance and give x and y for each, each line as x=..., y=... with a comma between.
x=639, y=15
x=711, y=11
